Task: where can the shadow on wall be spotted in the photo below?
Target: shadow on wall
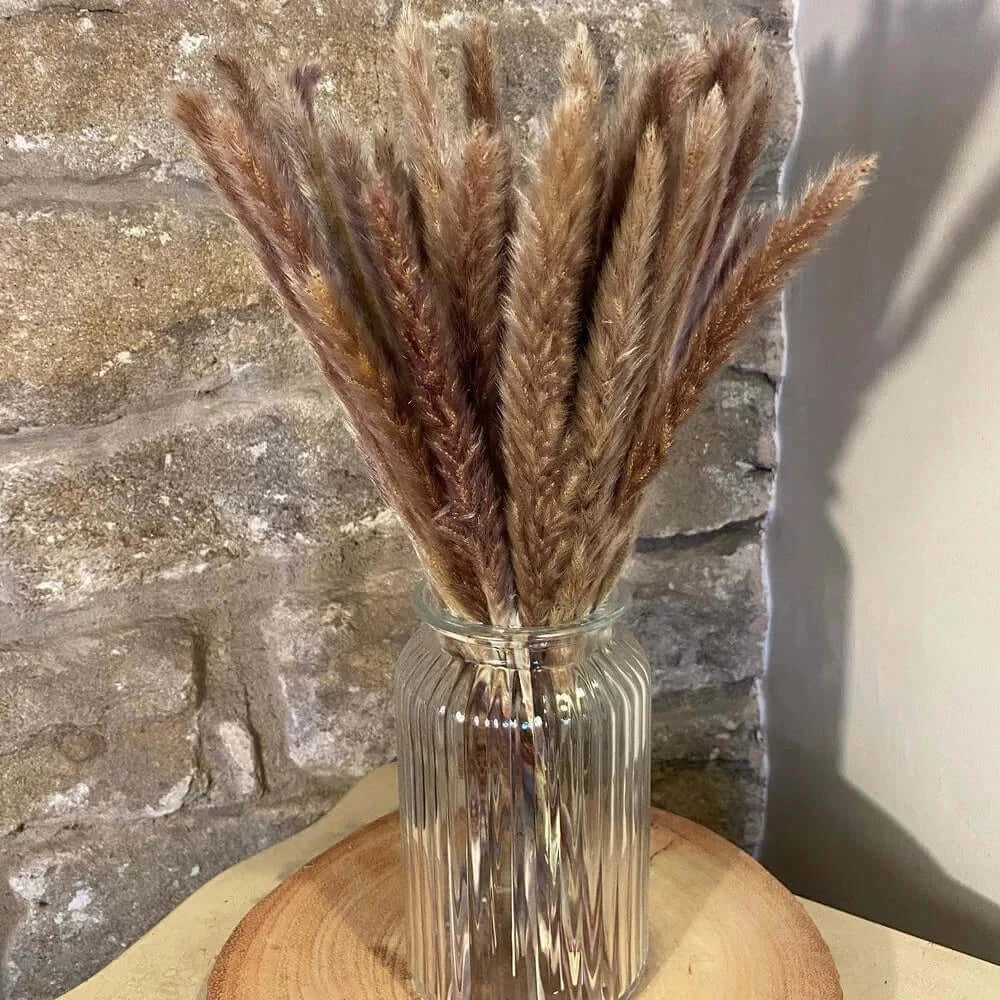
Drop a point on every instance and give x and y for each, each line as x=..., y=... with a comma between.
x=908, y=88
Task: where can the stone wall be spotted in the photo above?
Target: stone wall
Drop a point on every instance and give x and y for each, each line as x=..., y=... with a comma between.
x=200, y=596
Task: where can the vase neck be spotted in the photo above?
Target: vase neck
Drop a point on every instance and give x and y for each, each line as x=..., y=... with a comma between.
x=522, y=647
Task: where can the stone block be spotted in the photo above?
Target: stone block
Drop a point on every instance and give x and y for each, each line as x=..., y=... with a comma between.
x=114, y=308
x=237, y=772
x=727, y=798
x=171, y=495
x=100, y=726
x=334, y=661
x=717, y=723
x=699, y=609
x=762, y=347
x=146, y=769
x=90, y=88
x=81, y=896
x=721, y=466
x=88, y=681
x=708, y=758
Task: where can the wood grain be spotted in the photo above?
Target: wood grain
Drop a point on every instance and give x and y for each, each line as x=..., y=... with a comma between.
x=721, y=928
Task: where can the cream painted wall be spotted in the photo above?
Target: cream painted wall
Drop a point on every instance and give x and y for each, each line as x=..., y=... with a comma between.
x=884, y=674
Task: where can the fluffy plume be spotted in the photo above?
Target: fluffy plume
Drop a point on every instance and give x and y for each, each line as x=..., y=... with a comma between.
x=756, y=278
x=747, y=92
x=484, y=199
x=612, y=378
x=429, y=151
x=581, y=70
x=479, y=66
x=552, y=251
x=515, y=365
x=767, y=261
x=688, y=222
x=472, y=514
x=394, y=169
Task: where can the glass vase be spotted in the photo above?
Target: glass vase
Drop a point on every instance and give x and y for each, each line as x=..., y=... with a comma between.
x=524, y=806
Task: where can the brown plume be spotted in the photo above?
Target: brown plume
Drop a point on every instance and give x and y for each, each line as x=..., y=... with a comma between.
x=484, y=198
x=514, y=365
x=552, y=251
x=479, y=66
x=472, y=513
x=768, y=259
x=430, y=153
x=612, y=378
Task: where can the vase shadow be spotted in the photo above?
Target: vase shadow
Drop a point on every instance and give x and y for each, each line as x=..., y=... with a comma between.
x=908, y=88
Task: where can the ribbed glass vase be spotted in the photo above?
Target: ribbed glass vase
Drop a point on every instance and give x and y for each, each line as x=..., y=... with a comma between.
x=524, y=805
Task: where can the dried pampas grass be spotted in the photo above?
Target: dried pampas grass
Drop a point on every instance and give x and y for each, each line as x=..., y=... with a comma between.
x=515, y=363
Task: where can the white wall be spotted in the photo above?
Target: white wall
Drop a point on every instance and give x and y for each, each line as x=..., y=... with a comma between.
x=884, y=674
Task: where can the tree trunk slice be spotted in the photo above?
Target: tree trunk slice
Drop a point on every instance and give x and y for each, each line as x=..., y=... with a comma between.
x=721, y=928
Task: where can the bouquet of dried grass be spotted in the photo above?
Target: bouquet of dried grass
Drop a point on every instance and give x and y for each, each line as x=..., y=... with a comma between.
x=515, y=360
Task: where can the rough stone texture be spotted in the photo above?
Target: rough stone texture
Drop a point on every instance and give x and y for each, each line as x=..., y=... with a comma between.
x=708, y=724
x=85, y=774
x=722, y=464
x=89, y=87
x=709, y=756
x=699, y=607
x=113, y=678
x=201, y=599
x=334, y=667
x=726, y=797
x=153, y=499
x=762, y=348
x=113, y=307
x=83, y=895
x=97, y=727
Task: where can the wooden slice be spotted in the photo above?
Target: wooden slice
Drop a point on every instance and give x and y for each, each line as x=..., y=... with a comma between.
x=721, y=928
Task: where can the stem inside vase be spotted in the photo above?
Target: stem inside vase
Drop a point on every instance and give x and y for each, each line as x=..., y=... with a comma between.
x=524, y=798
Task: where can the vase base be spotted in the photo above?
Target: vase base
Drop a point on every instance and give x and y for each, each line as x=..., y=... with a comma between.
x=720, y=927
x=419, y=992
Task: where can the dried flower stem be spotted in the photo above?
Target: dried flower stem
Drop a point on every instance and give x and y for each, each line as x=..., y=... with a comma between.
x=479, y=74
x=612, y=378
x=551, y=254
x=472, y=514
x=752, y=282
x=514, y=367
x=481, y=282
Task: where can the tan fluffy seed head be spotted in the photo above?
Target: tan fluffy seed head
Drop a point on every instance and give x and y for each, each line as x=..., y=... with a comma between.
x=613, y=376
x=514, y=364
x=479, y=75
x=552, y=252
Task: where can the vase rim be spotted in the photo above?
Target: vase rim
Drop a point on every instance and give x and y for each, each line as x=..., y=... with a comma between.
x=430, y=612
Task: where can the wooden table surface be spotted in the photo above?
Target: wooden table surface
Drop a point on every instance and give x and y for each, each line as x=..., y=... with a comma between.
x=173, y=960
